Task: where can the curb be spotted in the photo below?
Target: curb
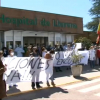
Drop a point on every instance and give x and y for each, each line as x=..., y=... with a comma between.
x=23, y=92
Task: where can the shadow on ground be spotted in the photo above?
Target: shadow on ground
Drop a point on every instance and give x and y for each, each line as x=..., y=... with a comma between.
x=65, y=72
x=39, y=94
x=13, y=90
x=82, y=78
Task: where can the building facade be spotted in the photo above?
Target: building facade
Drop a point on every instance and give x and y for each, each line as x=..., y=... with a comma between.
x=31, y=27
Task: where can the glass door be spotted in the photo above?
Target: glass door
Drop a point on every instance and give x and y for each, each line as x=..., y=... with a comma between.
x=9, y=44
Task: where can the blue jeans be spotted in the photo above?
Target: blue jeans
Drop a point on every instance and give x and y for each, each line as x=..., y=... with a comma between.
x=92, y=63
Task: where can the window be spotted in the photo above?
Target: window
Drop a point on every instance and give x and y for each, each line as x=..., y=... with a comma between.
x=9, y=44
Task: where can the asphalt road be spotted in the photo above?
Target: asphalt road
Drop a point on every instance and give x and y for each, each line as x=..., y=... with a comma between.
x=87, y=90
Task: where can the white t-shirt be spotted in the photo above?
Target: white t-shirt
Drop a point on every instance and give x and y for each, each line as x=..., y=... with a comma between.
x=43, y=54
x=92, y=54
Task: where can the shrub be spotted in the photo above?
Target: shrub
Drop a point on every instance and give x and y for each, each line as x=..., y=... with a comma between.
x=85, y=42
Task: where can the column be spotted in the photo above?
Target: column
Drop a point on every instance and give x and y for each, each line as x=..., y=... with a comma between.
x=22, y=38
x=13, y=39
x=61, y=39
x=55, y=38
x=4, y=39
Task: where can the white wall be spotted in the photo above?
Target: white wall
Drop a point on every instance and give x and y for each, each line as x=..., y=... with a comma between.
x=63, y=38
x=32, y=33
x=53, y=37
x=58, y=38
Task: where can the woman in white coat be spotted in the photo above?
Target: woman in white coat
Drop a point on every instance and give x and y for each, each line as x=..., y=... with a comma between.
x=11, y=54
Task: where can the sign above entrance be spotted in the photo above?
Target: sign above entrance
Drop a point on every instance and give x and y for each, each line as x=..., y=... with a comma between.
x=43, y=22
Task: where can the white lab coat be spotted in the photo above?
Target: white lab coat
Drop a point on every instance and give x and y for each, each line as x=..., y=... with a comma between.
x=92, y=54
x=43, y=54
x=19, y=52
x=11, y=84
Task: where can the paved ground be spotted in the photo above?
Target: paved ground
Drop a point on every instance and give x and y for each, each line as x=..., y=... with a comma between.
x=87, y=90
x=60, y=78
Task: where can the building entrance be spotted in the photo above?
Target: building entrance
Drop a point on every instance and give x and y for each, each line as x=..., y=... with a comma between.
x=35, y=40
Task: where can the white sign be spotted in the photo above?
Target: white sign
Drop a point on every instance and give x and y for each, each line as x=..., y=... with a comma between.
x=20, y=69
x=78, y=46
x=64, y=58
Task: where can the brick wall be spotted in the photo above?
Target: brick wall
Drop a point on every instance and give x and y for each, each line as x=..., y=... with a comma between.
x=19, y=14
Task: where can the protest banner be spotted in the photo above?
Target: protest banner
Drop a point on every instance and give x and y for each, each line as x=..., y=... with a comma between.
x=64, y=58
x=22, y=69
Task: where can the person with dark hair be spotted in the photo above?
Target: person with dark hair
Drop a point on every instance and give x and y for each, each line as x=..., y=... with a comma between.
x=39, y=49
x=2, y=81
x=5, y=52
x=61, y=47
x=44, y=51
x=29, y=50
x=36, y=75
x=57, y=48
x=25, y=49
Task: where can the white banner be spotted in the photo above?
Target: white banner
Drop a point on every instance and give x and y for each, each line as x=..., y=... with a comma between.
x=20, y=69
x=64, y=58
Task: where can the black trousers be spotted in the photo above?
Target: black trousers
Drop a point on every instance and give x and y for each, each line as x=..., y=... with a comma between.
x=99, y=61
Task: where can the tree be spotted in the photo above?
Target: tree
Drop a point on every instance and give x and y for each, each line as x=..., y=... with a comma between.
x=95, y=12
x=85, y=42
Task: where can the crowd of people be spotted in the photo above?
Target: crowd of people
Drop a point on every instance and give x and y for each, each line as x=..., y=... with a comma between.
x=41, y=51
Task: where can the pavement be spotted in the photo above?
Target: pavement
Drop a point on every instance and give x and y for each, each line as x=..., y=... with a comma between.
x=61, y=78
x=84, y=90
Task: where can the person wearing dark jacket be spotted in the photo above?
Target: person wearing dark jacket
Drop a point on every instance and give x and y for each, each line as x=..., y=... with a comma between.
x=5, y=52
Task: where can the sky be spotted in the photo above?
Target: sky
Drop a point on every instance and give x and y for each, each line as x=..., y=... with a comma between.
x=77, y=8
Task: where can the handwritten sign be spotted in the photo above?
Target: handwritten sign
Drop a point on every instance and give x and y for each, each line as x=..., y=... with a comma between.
x=23, y=69
x=20, y=69
x=64, y=58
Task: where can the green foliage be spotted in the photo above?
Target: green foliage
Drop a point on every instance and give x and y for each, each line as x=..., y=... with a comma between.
x=93, y=25
x=76, y=58
x=85, y=42
x=95, y=12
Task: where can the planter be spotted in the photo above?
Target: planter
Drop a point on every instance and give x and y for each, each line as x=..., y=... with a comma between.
x=76, y=70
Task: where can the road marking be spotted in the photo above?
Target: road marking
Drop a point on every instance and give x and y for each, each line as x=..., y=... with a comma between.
x=98, y=94
x=90, y=88
x=81, y=84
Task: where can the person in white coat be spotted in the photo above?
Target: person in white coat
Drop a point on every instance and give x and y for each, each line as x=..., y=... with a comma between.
x=44, y=51
x=35, y=77
x=11, y=54
x=19, y=51
x=92, y=57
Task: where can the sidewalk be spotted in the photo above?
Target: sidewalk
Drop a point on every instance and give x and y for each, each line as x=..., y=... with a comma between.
x=61, y=78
